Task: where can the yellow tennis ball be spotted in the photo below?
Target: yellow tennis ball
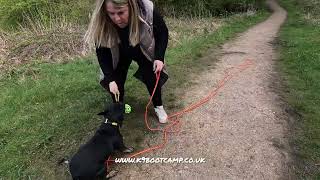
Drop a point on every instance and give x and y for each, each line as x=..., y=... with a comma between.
x=127, y=108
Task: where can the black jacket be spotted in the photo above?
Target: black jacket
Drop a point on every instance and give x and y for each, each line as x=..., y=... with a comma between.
x=160, y=32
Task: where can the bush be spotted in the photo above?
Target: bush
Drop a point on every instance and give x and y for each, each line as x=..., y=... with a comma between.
x=13, y=13
x=310, y=6
x=206, y=7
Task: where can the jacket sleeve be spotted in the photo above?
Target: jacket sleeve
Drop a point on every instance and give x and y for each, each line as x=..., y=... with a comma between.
x=160, y=32
x=105, y=61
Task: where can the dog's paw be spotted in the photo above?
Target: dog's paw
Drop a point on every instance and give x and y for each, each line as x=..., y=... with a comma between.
x=112, y=174
x=63, y=161
x=127, y=150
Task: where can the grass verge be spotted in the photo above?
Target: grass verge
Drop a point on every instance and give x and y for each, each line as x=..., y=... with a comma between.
x=48, y=110
x=300, y=64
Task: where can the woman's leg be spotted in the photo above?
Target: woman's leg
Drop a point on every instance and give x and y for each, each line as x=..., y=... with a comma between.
x=150, y=80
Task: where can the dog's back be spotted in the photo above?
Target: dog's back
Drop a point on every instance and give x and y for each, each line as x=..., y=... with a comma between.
x=88, y=162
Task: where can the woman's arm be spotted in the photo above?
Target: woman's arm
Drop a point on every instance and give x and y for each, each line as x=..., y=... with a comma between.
x=105, y=61
x=160, y=32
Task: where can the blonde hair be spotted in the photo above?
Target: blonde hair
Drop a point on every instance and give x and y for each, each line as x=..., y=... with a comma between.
x=102, y=31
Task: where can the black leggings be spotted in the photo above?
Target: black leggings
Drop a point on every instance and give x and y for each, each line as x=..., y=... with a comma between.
x=148, y=76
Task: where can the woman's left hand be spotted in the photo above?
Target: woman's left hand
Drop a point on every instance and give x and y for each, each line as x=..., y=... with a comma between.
x=157, y=66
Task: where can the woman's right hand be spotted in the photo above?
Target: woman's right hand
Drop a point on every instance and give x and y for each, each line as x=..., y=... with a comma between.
x=113, y=87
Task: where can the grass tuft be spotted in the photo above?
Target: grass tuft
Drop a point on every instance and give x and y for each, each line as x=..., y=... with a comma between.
x=300, y=65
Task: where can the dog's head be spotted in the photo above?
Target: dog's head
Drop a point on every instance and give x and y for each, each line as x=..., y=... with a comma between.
x=113, y=114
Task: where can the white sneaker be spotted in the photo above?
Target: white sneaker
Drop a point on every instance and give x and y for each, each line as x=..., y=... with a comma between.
x=161, y=113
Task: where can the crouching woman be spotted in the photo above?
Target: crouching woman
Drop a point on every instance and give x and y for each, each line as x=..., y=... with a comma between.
x=126, y=30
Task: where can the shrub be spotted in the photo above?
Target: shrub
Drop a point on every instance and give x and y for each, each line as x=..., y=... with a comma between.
x=13, y=13
x=206, y=7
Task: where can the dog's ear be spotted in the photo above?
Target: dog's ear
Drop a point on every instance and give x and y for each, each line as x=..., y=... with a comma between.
x=102, y=113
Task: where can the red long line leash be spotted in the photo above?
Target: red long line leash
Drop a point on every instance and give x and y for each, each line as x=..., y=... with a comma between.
x=174, y=119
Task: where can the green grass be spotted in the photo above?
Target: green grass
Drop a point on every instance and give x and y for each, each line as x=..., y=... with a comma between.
x=48, y=110
x=300, y=66
x=22, y=12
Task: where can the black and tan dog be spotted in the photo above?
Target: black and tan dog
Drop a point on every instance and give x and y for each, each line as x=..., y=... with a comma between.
x=89, y=161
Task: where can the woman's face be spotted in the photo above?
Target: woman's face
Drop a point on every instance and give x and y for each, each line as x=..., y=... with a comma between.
x=118, y=14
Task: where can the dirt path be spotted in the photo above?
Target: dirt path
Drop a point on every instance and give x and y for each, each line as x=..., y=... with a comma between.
x=242, y=132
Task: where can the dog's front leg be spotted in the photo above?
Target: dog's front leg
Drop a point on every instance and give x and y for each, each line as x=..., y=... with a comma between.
x=125, y=149
x=121, y=147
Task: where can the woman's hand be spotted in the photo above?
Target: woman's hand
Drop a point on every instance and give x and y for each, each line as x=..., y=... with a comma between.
x=113, y=87
x=157, y=66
